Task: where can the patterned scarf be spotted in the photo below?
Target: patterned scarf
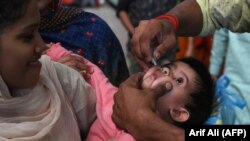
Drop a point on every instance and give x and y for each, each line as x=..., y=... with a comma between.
x=58, y=17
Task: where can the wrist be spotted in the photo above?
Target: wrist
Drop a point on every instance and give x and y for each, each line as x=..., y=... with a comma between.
x=172, y=19
x=140, y=129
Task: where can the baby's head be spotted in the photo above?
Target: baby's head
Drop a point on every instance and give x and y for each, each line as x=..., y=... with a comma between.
x=189, y=95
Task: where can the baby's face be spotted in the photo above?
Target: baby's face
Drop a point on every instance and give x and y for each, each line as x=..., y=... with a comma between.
x=179, y=80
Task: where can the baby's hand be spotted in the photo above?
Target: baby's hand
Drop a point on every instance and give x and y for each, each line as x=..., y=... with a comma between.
x=47, y=48
x=78, y=63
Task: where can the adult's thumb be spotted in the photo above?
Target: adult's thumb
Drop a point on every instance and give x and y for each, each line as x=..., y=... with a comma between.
x=160, y=90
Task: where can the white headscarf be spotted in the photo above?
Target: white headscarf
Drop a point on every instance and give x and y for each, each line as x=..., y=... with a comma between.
x=54, y=110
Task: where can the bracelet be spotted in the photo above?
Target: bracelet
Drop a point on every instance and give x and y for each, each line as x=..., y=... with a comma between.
x=171, y=18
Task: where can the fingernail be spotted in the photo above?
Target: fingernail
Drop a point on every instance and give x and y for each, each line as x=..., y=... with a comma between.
x=149, y=78
x=156, y=55
x=145, y=69
x=148, y=59
x=91, y=70
x=168, y=86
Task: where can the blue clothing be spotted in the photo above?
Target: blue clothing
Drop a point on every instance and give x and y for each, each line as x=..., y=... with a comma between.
x=88, y=35
x=233, y=50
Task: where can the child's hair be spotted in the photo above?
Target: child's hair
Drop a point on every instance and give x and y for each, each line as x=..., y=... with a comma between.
x=201, y=105
x=11, y=11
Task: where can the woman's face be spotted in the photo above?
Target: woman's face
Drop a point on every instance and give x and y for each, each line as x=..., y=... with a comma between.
x=179, y=80
x=20, y=48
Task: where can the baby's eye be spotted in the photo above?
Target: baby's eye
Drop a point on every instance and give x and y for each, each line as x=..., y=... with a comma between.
x=179, y=80
x=165, y=70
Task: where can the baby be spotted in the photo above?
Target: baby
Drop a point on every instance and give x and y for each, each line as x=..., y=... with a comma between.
x=188, y=98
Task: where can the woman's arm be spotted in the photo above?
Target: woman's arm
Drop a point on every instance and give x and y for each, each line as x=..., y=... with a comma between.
x=123, y=15
x=190, y=18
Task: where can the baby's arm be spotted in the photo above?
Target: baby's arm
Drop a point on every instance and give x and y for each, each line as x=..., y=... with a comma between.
x=103, y=89
x=59, y=54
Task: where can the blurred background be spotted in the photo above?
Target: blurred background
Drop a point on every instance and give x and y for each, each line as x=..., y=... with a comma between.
x=106, y=10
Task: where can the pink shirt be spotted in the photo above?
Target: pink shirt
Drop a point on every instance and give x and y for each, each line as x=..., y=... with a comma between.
x=103, y=129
